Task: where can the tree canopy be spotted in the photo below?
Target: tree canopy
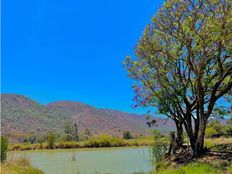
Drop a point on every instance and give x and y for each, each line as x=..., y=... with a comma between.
x=183, y=62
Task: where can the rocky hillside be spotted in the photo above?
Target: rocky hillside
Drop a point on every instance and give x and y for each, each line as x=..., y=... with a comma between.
x=21, y=115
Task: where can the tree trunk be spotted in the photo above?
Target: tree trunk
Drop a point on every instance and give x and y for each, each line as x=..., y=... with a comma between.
x=179, y=134
x=197, y=139
x=201, y=135
x=191, y=135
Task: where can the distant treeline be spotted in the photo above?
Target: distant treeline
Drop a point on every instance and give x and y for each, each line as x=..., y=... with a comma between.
x=70, y=132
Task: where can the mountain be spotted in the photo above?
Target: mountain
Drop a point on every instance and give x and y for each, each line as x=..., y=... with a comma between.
x=21, y=116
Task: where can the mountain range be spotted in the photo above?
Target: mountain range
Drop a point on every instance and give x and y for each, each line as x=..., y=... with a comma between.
x=21, y=115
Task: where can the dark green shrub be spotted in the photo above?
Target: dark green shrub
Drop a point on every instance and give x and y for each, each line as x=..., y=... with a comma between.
x=228, y=130
x=30, y=139
x=4, y=148
x=127, y=135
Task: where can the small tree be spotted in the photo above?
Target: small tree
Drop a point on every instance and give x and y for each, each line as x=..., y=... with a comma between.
x=87, y=133
x=4, y=148
x=71, y=132
x=31, y=138
x=127, y=135
x=51, y=140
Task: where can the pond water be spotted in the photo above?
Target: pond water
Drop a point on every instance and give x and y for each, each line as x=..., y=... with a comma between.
x=90, y=161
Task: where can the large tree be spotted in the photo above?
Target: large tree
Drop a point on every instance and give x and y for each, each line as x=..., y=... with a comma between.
x=183, y=62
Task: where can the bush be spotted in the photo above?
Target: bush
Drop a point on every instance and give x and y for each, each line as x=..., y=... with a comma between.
x=158, y=149
x=104, y=140
x=214, y=129
x=30, y=139
x=4, y=148
x=228, y=130
x=210, y=132
x=127, y=135
x=51, y=140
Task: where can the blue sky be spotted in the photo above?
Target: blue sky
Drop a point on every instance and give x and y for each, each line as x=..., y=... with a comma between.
x=72, y=49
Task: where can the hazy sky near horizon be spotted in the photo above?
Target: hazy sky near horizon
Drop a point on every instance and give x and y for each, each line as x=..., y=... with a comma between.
x=72, y=49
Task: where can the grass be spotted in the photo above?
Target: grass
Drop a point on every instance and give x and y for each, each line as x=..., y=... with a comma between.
x=21, y=166
x=221, y=144
x=103, y=140
x=192, y=168
x=202, y=166
x=229, y=171
x=210, y=142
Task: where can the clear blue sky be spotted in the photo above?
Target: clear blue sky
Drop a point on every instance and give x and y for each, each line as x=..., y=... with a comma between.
x=72, y=49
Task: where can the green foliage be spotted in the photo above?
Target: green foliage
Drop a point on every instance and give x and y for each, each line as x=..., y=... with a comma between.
x=103, y=140
x=230, y=170
x=158, y=149
x=211, y=132
x=183, y=63
x=216, y=129
x=31, y=138
x=192, y=168
x=71, y=132
x=127, y=135
x=228, y=128
x=51, y=138
x=87, y=134
x=4, y=148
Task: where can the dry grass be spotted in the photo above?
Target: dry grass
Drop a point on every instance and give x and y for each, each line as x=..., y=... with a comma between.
x=21, y=166
x=218, y=141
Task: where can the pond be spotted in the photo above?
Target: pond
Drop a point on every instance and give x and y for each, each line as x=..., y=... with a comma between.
x=90, y=161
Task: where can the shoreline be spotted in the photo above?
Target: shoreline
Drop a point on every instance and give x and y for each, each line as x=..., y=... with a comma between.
x=80, y=149
x=82, y=145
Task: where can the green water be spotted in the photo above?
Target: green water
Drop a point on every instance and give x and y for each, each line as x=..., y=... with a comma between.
x=90, y=161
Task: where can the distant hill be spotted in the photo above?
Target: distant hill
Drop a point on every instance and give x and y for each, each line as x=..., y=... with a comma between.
x=21, y=115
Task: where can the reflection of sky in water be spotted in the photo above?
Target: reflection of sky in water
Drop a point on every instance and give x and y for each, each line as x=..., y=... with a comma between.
x=91, y=161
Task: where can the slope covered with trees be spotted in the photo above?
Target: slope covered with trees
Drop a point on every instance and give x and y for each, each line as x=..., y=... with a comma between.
x=23, y=117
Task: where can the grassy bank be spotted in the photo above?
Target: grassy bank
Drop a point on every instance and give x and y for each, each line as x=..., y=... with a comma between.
x=94, y=142
x=221, y=144
x=21, y=166
x=194, y=168
x=214, y=162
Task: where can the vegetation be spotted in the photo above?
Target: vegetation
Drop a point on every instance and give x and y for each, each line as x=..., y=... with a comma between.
x=87, y=134
x=216, y=129
x=102, y=140
x=183, y=64
x=18, y=112
x=158, y=149
x=192, y=168
x=21, y=166
x=127, y=135
x=4, y=148
x=71, y=132
x=51, y=140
